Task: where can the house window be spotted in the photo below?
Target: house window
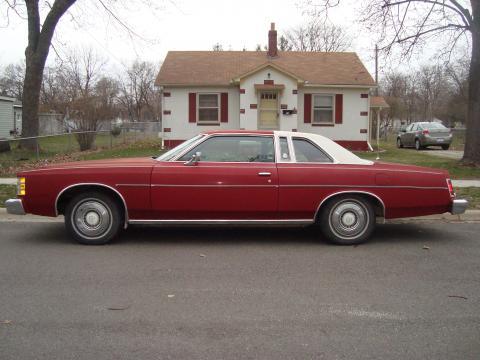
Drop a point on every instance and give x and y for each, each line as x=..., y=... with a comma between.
x=323, y=109
x=208, y=108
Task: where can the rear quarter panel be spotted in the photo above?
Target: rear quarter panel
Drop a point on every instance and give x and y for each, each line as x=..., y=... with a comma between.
x=405, y=191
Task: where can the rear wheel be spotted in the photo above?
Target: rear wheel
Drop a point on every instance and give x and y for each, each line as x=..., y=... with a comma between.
x=399, y=143
x=347, y=220
x=418, y=145
x=93, y=218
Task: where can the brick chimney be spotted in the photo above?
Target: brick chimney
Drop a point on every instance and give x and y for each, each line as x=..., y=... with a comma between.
x=272, y=41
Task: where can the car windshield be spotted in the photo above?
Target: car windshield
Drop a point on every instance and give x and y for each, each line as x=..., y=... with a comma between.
x=170, y=154
x=432, y=125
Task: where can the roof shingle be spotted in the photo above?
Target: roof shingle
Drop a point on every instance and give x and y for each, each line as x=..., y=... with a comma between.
x=200, y=68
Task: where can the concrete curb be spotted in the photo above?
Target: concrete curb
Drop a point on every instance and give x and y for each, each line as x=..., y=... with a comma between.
x=469, y=216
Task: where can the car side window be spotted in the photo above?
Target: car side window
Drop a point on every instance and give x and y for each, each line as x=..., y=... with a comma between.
x=409, y=127
x=305, y=151
x=284, y=150
x=234, y=149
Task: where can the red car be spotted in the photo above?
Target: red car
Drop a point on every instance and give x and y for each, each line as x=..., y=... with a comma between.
x=236, y=177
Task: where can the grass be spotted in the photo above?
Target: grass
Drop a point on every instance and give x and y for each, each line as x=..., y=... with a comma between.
x=472, y=194
x=390, y=153
x=58, y=149
x=7, y=192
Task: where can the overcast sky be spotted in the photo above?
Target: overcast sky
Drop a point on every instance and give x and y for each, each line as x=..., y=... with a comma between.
x=177, y=25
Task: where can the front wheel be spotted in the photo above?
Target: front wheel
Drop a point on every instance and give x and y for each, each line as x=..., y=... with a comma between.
x=93, y=218
x=399, y=143
x=445, y=147
x=347, y=220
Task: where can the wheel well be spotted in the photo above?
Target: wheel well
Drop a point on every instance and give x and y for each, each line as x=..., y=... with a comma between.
x=376, y=202
x=69, y=193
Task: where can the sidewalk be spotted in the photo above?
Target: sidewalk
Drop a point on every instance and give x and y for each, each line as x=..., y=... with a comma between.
x=456, y=183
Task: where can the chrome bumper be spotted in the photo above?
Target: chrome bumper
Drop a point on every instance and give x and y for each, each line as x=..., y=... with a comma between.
x=459, y=206
x=14, y=207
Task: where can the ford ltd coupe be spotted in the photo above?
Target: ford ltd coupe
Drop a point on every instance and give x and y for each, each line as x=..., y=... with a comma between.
x=240, y=178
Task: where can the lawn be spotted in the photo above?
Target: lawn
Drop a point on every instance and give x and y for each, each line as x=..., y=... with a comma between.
x=59, y=149
x=390, y=153
x=7, y=192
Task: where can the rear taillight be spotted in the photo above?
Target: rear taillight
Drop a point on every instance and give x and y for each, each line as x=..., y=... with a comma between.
x=450, y=188
x=425, y=132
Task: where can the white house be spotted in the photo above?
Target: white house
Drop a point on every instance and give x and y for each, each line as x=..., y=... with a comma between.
x=316, y=92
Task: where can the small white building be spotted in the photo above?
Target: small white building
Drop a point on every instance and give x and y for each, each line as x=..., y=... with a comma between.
x=315, y=92
x=10, y=117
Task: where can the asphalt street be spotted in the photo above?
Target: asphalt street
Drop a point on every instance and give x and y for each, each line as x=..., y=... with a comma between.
x=413, y=292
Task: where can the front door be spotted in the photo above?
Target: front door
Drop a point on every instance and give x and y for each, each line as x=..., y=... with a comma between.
x=268, y=111
x=235, y=179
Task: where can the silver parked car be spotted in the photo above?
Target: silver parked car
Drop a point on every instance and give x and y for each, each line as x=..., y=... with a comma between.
x=423, y=134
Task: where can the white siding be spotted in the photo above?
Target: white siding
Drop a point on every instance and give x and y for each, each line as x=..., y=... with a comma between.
x=353, y=122
x=6, y=118
x=177, y=120
x=249, y=120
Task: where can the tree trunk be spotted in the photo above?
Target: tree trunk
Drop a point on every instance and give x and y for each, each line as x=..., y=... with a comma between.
x=472, y=136
x=36, y=53
x=31, y=94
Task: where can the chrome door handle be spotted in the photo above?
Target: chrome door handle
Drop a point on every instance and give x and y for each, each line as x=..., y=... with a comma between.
x=264, y=174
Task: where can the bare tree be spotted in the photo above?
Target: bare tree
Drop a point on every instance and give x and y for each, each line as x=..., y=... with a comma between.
x=316, y=36
x=40, y=35
x=217, y=47
x=87, y=106
x=11, y=81
x=137, y=93
x=410, y=24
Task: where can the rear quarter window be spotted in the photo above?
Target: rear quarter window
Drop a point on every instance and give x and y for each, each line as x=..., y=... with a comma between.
x=305, y=151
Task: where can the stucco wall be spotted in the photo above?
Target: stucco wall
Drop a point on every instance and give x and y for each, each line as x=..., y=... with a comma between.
x=249, y=120
x=353, y=122
x=177, y=120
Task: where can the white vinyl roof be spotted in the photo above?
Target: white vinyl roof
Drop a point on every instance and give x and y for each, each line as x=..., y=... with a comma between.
x=339, y=154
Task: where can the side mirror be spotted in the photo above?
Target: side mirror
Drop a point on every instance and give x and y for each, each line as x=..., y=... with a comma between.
x=194, y=159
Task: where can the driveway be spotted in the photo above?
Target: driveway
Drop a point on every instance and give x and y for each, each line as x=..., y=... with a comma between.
x=205, y=293
x=449, y=154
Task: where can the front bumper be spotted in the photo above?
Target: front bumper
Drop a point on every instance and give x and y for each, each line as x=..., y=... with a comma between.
x=15, y=207
x=459, y=206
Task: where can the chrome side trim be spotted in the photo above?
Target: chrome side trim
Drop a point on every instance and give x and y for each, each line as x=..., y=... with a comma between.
x=215, y=186
x=224, y=222
x=368, y=186
x=133, y=185
x=94, y=184
x=367, y=167
x=351, y=192
x=15, y=207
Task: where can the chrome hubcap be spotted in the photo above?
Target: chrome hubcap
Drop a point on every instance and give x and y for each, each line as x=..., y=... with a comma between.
x=349, y=219
x=91, y=218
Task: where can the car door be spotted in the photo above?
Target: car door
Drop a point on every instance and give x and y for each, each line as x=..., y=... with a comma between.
x=234, y=179
x=406, y=136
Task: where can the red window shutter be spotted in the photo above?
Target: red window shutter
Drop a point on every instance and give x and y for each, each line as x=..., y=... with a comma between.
x=224, y=107
x=338, y=108
x=192, y=107
x=307, y=108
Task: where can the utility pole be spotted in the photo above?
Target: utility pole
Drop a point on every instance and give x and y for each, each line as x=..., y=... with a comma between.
x=376, y=69
x=377, y=110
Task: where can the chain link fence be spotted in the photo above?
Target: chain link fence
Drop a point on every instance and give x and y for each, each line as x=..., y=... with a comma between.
x=109, y=136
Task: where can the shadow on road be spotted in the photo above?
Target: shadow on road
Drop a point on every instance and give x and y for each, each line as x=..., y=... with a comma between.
x=384, y=233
